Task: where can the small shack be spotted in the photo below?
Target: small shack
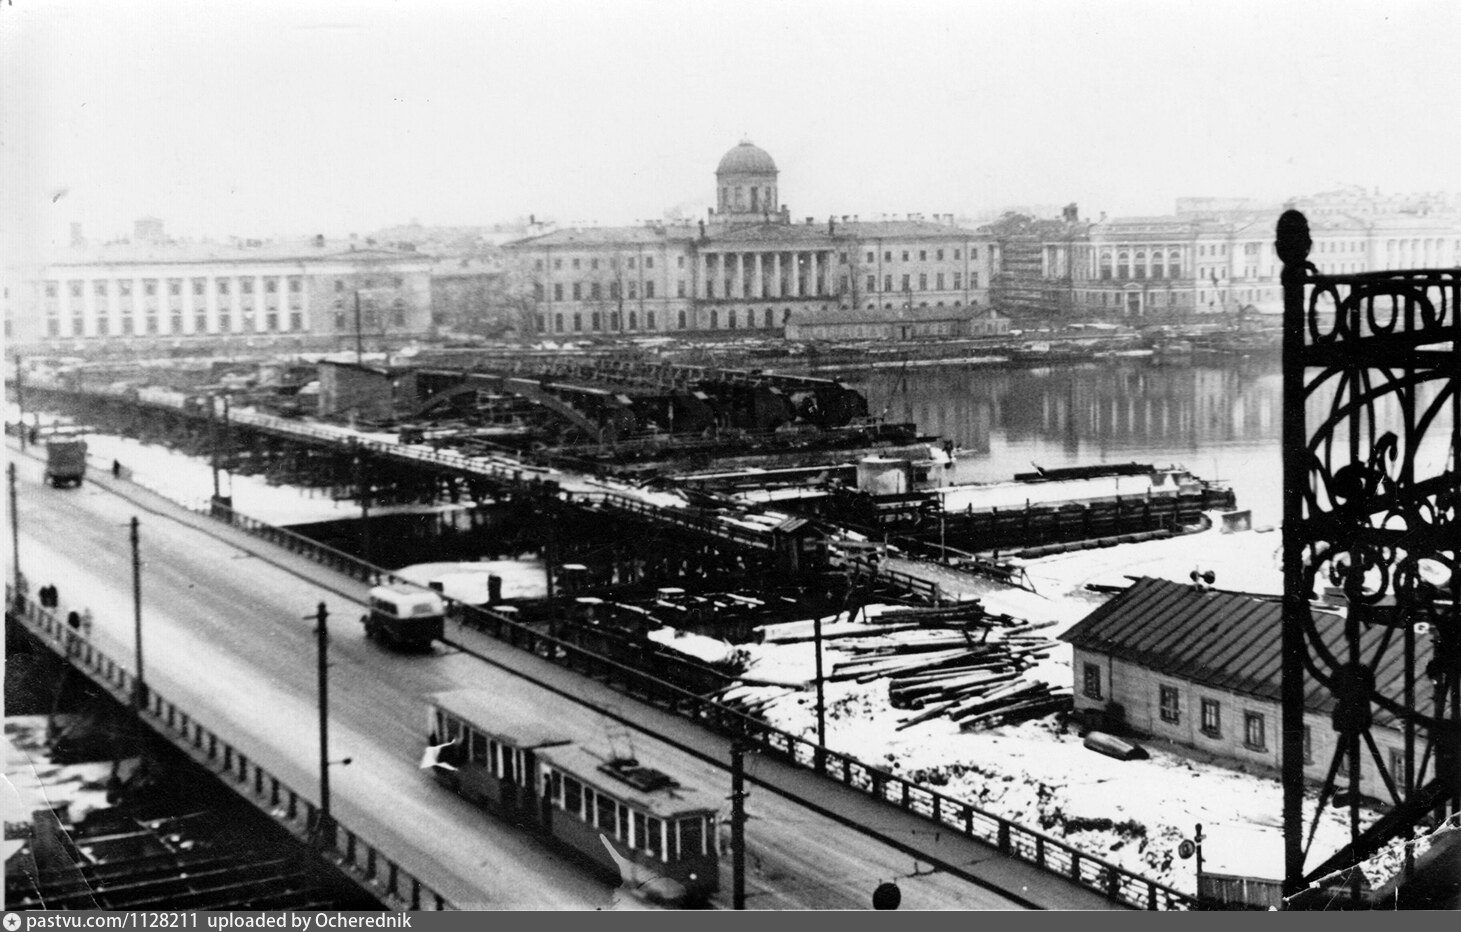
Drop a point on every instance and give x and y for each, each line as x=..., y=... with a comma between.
x=366, y=391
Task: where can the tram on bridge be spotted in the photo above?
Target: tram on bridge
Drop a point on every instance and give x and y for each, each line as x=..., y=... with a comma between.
x=630, y=822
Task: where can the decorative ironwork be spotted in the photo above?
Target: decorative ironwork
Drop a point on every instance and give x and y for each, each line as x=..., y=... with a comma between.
x=1372, y=393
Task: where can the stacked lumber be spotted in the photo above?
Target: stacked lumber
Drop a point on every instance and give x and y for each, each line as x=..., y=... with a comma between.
x=974, y=675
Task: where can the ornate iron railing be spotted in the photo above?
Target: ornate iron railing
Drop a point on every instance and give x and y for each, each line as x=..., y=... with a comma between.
x=1372, y=386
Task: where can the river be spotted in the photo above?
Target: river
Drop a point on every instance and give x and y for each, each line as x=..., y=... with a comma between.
x=1223, y=422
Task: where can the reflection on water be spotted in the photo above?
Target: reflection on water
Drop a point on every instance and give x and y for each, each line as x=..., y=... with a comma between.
x=1221, y=421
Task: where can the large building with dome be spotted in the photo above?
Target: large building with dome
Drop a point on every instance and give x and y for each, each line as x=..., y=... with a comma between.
x=749, y=265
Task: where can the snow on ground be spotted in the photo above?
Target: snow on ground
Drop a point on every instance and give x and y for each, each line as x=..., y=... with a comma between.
x=33, y=782
x=467, y=582
x=1038, y=774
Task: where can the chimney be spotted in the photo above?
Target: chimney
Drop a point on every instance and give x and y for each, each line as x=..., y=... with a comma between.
x=1071, y=214
x=77, y=237
x=811, y=220
x=319, y=241
x=702, y=231
x=831, y=225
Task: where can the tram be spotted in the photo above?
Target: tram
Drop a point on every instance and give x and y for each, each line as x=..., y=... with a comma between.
x=631, y=822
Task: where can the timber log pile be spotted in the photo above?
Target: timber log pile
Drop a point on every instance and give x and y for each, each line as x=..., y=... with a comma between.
x=958, y=662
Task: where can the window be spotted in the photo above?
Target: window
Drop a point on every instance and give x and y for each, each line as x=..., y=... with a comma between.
x=887, y=283
x=593, y=291
x=246, y=285
x=537, y=291
x=538, y=264
x=101, y=289
x=558, y=322
x=608, y=814
x=680, y=321
x=1212, y=721
x=633, y=290
x=557, y=263
x=1091, y=685
x=577, y=323
x=223, y=285
x=842, y=258
x=956, y=254
x=573, y=796
x=52, y=288
x=907, y=282
x=871, y=257
x=939, y=255
x=958, y=277
x=558, y=291
x=872, y=283
x=639, y=829
x=1170, y=702
x=714, y=319
x=769, y=318
x=1308, y=747
x=594, y=320
x=575, y=263
x=649, y=262
x=922, y=281
x=905, y=255
x=339, y=287
x=631, y=262
x=271, y=285
x=651, y=841
x=939, y=281
x=124, y=288
x=649, y=320
x=593, y=263
x=1253, y=730
x=577, y=291
x=633, y=320
x=887, y=255
x=679, y=262
x=973, y=279
x=1397, y=767
x=649, y=289
x=680, y=288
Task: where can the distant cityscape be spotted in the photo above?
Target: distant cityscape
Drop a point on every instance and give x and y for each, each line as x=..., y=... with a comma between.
x=749, y=268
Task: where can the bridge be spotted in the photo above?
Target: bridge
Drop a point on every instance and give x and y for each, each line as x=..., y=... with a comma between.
x=230, y=674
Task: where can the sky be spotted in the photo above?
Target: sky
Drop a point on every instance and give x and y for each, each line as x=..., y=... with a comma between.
x=292, y=118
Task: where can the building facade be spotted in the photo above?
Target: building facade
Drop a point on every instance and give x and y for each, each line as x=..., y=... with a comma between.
x=748, y=266
x=151, y=293
x=1215, y=256
x=1200, y=667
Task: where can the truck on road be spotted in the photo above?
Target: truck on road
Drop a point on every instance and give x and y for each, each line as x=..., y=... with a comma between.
x=65, y=461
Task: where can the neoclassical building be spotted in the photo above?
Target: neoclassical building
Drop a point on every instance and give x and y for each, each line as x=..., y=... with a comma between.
x=1216, y=256
x=748, y=265
x=151, y=292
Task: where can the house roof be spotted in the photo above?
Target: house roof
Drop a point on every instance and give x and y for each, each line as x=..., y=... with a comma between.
x=1228, y=640
x=185, y=253
x=522, y=728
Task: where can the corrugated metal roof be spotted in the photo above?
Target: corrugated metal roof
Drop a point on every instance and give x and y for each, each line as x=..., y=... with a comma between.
x=1231, y=641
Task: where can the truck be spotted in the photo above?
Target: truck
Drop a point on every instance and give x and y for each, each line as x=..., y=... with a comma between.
x=65, y=461
x=404, y=616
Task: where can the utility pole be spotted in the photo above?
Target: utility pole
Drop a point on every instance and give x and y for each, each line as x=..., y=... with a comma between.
x=14, y=528
x=359, y=338
x=213, y=445
x=821, y=695
x=139, y=686
x=362, y=486
x=738, y=824
x=20, y=401
x=326, y=826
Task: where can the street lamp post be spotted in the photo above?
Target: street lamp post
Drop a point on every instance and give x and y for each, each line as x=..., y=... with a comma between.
x=325, y=826
x=139, y=685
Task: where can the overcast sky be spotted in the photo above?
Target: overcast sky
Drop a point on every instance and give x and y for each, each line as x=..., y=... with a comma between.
x=290, y=118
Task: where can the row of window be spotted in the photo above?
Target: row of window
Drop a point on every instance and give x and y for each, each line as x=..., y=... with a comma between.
x=594, y=263
x=596, y=292
x=156, y=325
x=1169, y=704
x=565, y=323
x=102, y=287
x=938, y=255
x=956, y=282
x=665, y=839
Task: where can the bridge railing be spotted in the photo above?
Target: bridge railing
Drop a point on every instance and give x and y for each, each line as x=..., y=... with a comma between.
x=348, y=849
